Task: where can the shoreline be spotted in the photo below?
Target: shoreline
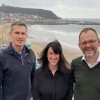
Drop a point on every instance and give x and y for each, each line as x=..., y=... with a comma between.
x=37, y=46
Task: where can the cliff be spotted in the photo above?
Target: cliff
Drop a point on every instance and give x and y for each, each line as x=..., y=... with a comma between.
x=46, y=14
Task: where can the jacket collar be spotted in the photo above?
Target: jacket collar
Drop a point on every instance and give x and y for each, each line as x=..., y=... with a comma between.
x=12, y=51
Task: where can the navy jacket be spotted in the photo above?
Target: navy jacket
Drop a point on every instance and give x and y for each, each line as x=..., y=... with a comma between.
x=16, y=75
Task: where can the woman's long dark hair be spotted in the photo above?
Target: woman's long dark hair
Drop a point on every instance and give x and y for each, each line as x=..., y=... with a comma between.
x=63, y=65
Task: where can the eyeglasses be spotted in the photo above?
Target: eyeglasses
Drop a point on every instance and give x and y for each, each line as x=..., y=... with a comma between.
x=91, y=42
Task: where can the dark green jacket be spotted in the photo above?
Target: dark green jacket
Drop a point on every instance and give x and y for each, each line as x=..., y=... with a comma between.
x=87, y=80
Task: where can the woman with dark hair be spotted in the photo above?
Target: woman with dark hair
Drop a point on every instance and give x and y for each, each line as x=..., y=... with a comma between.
x=53, y=80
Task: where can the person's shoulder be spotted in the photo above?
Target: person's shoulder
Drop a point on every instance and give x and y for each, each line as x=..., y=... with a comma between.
x=76, y=62
x=31, y=50
x=31, y=53
x=3, y=54
x=38, y=70
x=28, y=50
x=3, y=51
x=77, y=59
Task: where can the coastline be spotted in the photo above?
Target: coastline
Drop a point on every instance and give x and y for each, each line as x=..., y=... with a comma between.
x=37, y=46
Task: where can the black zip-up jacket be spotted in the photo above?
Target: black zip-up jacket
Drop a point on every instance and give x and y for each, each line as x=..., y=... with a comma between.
x=49, y=87
x=16, y=75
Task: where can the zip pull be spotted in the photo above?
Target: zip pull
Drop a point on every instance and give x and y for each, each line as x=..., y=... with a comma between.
x=22, y=62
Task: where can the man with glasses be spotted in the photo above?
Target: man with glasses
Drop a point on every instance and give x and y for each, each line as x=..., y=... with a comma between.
x=17, y=66
x=86, y=69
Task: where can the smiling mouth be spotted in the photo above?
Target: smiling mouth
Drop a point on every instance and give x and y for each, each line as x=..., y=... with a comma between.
x=89, y=49
x=20, y=40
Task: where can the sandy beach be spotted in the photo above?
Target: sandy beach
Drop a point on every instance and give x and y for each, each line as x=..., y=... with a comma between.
x=37, y=47
x=68, y=53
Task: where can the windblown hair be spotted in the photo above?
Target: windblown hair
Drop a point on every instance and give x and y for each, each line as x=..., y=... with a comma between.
x=63, y=65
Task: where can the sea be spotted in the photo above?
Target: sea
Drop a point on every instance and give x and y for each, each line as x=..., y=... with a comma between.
x=67, y=35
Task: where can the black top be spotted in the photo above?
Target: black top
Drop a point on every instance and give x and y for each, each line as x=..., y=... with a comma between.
x=49, y=87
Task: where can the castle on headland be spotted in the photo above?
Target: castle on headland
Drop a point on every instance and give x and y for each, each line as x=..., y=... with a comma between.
x=9, y=14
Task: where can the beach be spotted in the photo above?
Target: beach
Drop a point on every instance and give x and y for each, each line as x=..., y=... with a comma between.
x=37, y=46
x=68, y=53
x=40, y=36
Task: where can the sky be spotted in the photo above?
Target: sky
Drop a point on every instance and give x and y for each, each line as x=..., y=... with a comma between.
x=62, y=8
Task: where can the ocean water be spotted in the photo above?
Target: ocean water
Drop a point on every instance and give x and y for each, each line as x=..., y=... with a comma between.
x=67, y=35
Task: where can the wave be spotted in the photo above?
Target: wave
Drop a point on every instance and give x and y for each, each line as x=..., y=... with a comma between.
x=67, y=34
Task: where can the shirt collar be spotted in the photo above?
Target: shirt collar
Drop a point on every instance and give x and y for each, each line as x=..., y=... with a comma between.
x=91, y=66
x=19, y=56
x=23, y=51
x=48, y=72
x=98, y=60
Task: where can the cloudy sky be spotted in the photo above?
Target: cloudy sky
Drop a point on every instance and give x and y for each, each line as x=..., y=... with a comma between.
x=62, y=8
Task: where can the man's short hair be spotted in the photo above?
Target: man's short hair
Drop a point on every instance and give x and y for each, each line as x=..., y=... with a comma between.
x=19, y=23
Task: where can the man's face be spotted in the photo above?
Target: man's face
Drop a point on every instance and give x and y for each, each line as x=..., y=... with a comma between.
x=18, y=35
x=89, y=43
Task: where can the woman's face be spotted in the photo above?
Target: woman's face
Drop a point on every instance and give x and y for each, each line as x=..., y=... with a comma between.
x=53, y=58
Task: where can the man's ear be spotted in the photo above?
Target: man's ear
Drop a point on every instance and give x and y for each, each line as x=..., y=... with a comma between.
x=79, y=45
x=99, y=42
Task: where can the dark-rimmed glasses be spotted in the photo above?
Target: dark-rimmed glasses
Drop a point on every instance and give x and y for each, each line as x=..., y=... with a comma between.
x=91, y=42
